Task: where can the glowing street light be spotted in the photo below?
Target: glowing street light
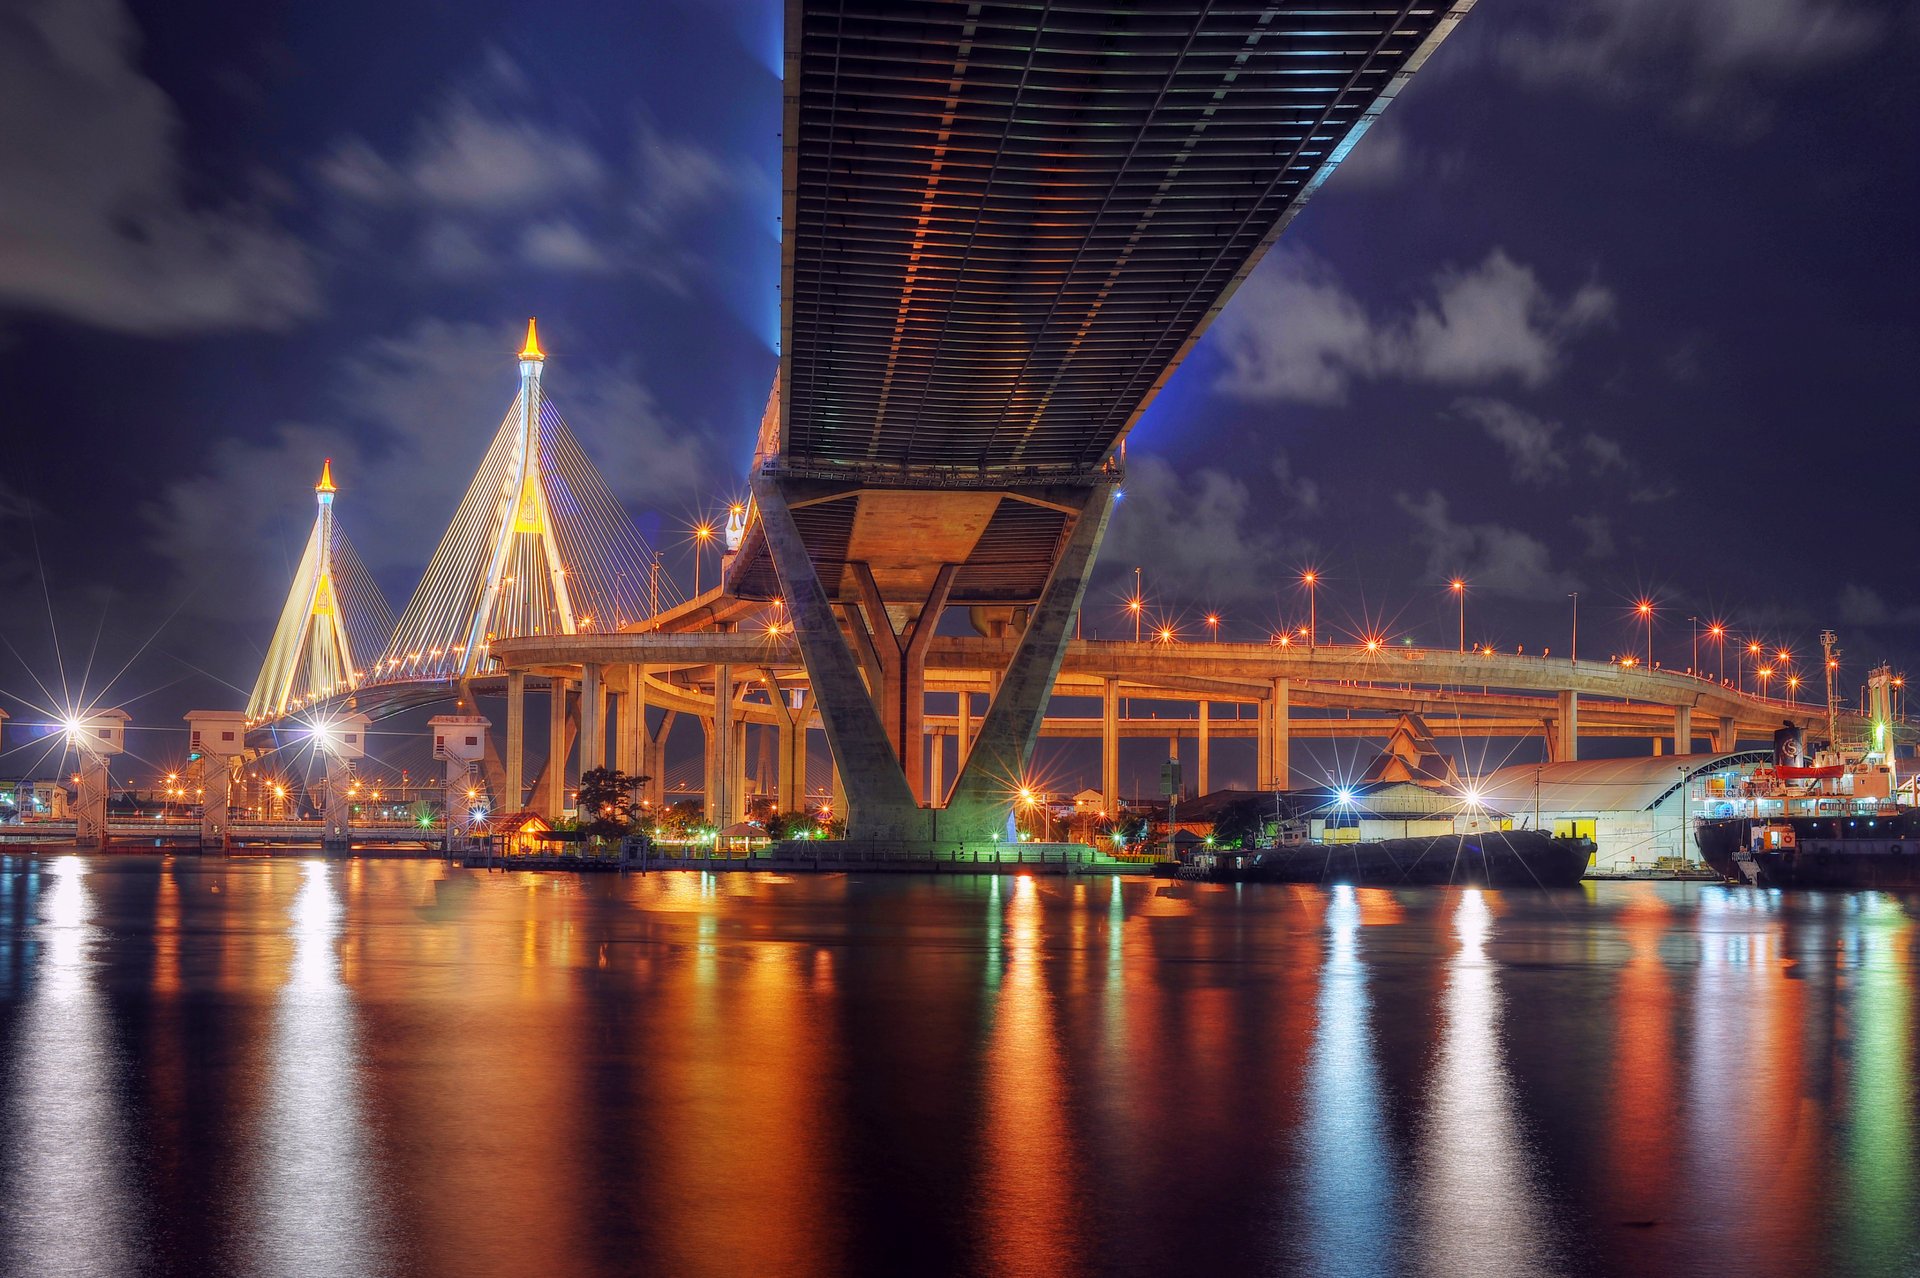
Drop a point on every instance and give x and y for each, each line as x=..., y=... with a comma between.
x=1765, y=673
x=1310, y=579
x=1793, y=686
x=1717, y=631
x=702, y=534
x=1459, y=587
x=1165, y=634
x=1213, y=625
x=1645, y=610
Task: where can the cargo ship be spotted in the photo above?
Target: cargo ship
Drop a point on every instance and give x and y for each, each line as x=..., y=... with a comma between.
x=1491, y=858
x=1832, y=820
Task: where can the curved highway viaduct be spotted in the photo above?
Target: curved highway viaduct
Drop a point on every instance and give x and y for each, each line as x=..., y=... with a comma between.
x=1337, y=691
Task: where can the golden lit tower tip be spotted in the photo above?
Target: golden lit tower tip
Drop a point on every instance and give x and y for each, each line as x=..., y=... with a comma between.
x=532, y=349
x=326, y=478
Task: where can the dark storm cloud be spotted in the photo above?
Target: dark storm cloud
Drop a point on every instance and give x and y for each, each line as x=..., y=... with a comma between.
x=1711, y=61
x=95, y=220
x=1296, y=332
x=1497, y=559
x=1209, y=538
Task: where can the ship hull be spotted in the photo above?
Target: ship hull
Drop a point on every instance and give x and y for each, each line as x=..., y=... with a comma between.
x=1878, y=861
x=1503, y=859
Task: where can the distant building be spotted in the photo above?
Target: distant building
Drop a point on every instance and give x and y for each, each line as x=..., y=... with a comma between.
x=1638, y=811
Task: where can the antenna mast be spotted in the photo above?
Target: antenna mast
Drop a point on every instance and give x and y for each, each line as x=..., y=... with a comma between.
x=1831, y=656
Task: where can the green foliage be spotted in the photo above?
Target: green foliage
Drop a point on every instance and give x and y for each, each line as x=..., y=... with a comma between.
x=607, y=802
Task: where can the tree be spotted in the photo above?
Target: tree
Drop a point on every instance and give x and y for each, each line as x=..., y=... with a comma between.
x=607, y=799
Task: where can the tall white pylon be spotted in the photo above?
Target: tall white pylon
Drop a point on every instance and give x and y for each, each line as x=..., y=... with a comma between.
x=334, y=619
x=539, y=545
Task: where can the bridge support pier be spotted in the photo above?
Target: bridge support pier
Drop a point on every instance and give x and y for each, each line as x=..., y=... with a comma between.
x=1275, y=764
x=1568, y=726
x=1726, y=739
x=553, y=791
x=720, y=750
x=1683, y=729
x=790, y=748
x=335, y=828
x=1110, y=748
x=593, y=717
x=1202, y=756
x=514, y=792
x=879, y=748
x=937, y=767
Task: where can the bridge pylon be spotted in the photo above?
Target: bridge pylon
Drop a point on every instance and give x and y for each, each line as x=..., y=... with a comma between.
x=334, y=620
x=538, y=545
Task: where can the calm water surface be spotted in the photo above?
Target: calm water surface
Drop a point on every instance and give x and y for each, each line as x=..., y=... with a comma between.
x=368, y=1067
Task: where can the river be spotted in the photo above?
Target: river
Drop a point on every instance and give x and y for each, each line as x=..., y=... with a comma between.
x=384, y=1066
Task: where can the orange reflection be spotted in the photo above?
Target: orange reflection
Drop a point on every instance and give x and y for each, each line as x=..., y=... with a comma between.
x=1028, y=1157
x=1641, y=1107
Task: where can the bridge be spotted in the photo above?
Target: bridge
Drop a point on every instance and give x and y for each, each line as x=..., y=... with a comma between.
x=1004, y=227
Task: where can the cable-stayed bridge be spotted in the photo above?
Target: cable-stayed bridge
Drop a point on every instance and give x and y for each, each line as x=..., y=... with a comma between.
x=1004, y=227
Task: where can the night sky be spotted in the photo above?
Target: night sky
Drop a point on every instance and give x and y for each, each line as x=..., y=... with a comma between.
x=1619, y=299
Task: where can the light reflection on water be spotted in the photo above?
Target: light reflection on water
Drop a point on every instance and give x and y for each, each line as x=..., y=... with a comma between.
x=1349, y=1182
x=313, y=1067
x=70, y=1205
x=1480, y=1205
x=311, y=1200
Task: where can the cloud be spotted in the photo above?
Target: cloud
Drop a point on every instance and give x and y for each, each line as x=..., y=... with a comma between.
x=1598, y=530
x=415, y=413
x=465, y=156
x=1862, y=606
x=562, y=246
x=1295, y=332
x=1497, y=559
x=483, y=184
x=96, y=224
x=1707, y=60
x=1530, y=441
x=1229, y=547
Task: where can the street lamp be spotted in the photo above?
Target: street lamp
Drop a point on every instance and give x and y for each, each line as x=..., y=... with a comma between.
x=1310, y=579
x=1136, y=605
x=1793, y=686
x=702, y=534
x=1645, y=609
x=1459, y=587
x=1693, y=667
x=1765, y=673
x=1213, y=626
x=1165, y=634
x=1573, y=651
x=1718, y=633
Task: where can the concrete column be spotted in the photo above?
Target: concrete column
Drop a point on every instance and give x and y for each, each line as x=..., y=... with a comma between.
x=335, y=831
x=790, y=745
x=900, y=658
x=1727, y=739
x=593, y=717
x=90, y=804
x=216, y=803
x=630, y=725
x=861, y=747
x=515, y=793
x=653, y=758
x=737, y=782
x=839, y=793
x=1275, y=770
x=1011, y=727
x=937, y=769
x=1202, y=763
x=1110, y=747
x=1569, y=728
x=1658, y=747
x=963, y=731
x=1683, y=729
x=554, y=801
x=720, y=748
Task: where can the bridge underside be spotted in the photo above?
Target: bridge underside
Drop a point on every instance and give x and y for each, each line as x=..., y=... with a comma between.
x=1004, y=227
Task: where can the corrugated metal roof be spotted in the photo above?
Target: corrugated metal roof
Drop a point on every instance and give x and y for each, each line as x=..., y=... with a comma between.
x=1603, y=785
